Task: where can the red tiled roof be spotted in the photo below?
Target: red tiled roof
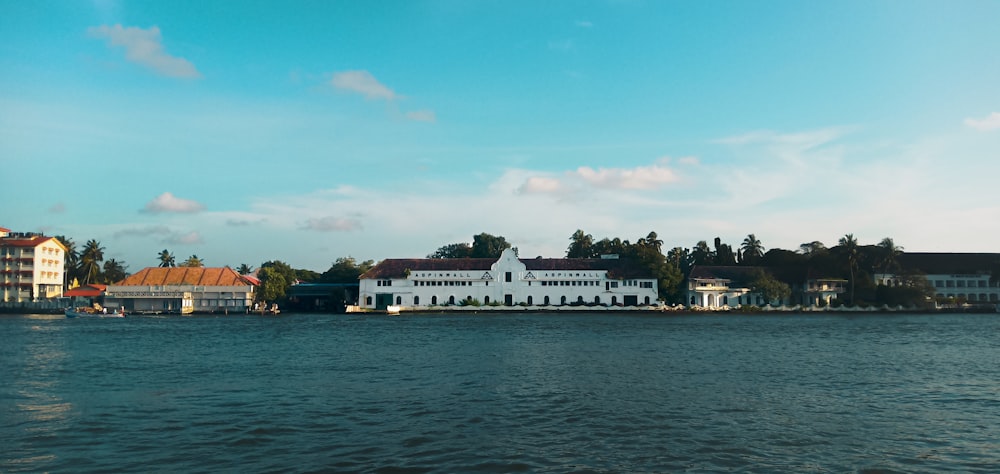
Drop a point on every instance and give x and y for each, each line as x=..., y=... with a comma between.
x=30, y=242
x=87, y=291
x=199, y=276
x=397, y=267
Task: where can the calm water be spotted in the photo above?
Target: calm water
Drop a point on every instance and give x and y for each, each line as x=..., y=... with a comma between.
x=473, y=393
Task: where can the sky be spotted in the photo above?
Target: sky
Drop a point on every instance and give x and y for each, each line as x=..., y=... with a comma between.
x=306, y=131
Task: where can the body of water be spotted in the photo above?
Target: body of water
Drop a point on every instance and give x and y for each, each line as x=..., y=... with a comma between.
x=501, y=393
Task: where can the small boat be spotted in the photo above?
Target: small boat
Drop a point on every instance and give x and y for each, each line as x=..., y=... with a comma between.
x=392, y=309
x=88, y=312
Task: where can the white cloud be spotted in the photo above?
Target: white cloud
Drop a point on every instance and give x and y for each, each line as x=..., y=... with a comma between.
x=332, y=224
x=362, y=82
x=167, y=202
x=145, y=47
x=422, y=116
x=991, y=122
x=190, y=238
x=540, y=185
x=643, y=177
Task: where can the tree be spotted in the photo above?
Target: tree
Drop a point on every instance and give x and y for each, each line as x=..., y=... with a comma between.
x=456, y=250
x=701, y=254
x=345, y=270
x=651, y=241
x=810, y=248
x=752, y=250
x=488, y=246
x=768, y=286
x=166, y=259
x=273, y=284
x=114, y=271
x=849, y=246
x=90, y=261
x=581, y=245
x=724, y=253
x=244, y=269
x=680, y=257
x=72, y=263
x=890, y=254
x=193, y=261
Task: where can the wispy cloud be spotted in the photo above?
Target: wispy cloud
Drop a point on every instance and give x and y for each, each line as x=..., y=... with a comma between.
x=643, y=177
x=364, y=83
x=167, y=202
x=332, y=224
x=190, y=238
x=991, y=122
x=541, y=185
x=145, y=47
x=144, y=231
x=422, y=116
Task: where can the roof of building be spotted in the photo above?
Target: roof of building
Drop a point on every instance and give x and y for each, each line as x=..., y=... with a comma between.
x=198, y=276
x=950, y=263
x=33, y=241
x=743, y=274
x=397, y=267
x=91, y=290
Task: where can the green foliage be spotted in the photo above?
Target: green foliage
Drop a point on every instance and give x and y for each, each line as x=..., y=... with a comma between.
x=193, y=262
x=770, y=288
x=166, y=259
x=483, y=246
x=273, y=284
x=581, y=245
x=457, y=250
x=90, y=261
x=114, y=271
x=469, y=302
x=244, y=269
x=345, y=270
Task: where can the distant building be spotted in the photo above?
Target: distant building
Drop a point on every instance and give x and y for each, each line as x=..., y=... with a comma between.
x=716, y=287
x=509, y=280
x=182, y=290
x=31, y=266
x=966, y=277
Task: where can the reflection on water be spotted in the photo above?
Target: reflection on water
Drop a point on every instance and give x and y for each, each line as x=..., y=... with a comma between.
x=501, y=393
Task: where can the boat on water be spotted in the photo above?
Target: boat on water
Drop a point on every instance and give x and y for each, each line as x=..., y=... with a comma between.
x=93, y=312
x=392, y=309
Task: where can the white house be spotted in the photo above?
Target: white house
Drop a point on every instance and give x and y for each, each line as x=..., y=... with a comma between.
x=509, y=280
x=31, y=266
x=715, y=287
x=955, y=276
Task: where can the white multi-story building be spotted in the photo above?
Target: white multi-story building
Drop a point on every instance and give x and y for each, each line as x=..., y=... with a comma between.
x=509, y=281
x=964, y=277
x=31, y=266
x=719, y=287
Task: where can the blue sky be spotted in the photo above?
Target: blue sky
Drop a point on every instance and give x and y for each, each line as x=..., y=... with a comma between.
x=306, y=131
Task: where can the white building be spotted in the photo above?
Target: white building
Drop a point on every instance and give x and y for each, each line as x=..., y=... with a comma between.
x=717, y=287
x=963, y=277
x=182, y=290
x=31, y=266
x=509, y=280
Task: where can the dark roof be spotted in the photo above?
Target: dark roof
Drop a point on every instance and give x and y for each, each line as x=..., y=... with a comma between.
x=950, y=263
x=792, y=274
x=396, y=267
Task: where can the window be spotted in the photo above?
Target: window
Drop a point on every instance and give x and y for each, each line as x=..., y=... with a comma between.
x=399, y=300
x=416, y=300
x=507, y=277
x=530, y=300
x=434, y=299
x=486, y=300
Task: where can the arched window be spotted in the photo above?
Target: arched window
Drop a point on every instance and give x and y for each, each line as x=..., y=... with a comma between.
x=486, y=300
x=546, y=299
x=597, y=300
x=368, y=301
x=530, y=300
x=647, y=300
x=399, y=300
x=416, y=300
x=579, y=299
x=451, y=299
x=614, y=300
x=563, y=300
x=434, y=299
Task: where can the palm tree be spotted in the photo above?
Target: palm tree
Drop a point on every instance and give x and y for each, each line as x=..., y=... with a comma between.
x=850, y=246
x=193, y=261
x=90, y=261
x=701, y=254
x=581, y=245
x=890, y=254
x=72, y=258
x=244, y=269
x=114, y=271
x=167, y=259
x=752, y=249
x=651, y=240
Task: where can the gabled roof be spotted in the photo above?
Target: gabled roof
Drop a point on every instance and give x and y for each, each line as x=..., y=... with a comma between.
x=29, y=242
x=198, y=276
x=90, y=290
x=950, y=263
x=397, y=267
